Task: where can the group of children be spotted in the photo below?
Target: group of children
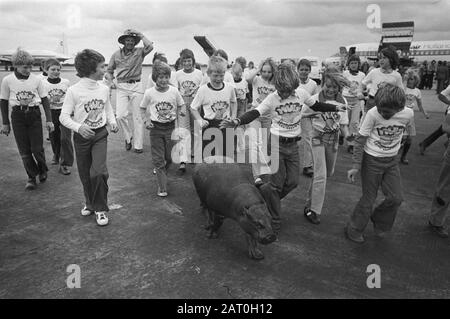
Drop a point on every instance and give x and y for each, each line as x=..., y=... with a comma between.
x=183, y=106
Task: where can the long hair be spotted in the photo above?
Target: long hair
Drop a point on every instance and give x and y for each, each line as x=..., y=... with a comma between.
x=273, y=66
x=392, y=55
x=335, y=76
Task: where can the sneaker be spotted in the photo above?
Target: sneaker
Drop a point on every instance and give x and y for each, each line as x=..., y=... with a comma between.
x=43, y=177
x=138, y=150
x=311, y=216
x=63, y=169
x=441, y=231
x=350, y=149
x=101, y=218
x=354, y=235
x=85, y=211
x=55, y=161
x=182, y=167
x=128, y=145
x=162, y=194
x=154, y=171
x=31, y=184
x=258, y=182
x=308, y=171
x=421, y=149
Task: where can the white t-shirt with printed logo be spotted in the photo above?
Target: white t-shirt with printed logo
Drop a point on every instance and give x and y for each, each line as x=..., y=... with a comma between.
x=376, y=77
x=385, y=136
x=310, y=86
x=446, y=93
x=261, y=89
x=241, y=89
x=188, y=83
x=355, y=84
x=216, y=104
x=23, y=92
x=411, y=97
x=162, y=106
x=56, y=92
x=285, y=114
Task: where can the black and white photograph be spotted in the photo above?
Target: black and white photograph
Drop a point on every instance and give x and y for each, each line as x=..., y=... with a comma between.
x=224, y=155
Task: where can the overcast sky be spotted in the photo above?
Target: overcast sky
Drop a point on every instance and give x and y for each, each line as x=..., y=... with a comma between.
x=254, y=29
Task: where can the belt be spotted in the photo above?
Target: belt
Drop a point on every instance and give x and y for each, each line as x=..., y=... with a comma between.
x=287, y=140
x=25, y=107
x=130, y=81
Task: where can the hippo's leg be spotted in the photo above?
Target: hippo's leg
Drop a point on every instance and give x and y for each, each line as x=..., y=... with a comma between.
x=253, y=250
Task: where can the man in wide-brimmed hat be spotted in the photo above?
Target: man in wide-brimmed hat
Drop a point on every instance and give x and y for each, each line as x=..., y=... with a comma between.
x=128, y=65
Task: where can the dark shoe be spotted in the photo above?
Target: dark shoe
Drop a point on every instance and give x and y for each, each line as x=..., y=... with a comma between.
x=421, y=149
x=353, y=235
x=139, y=151
x=311, y=216
x=308, y=171
x=43, y=177
x=404, y=161
x=182, y=167
x=55, y=161
x=441, y=231
x=350, y=149
x=341, y=140
x=128, y=145
x=31, y=184
x=64, y=170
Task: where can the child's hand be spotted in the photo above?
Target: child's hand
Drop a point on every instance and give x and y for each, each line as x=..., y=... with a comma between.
x=228, y=123
x=204, y=123
x=351, y=174
x=114, y=128
x=50, y=126
x=148, y=125
x=6, y=129
x=86, y=132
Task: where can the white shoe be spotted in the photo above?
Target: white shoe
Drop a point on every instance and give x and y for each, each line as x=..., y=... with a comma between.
x=162, y=194
x=154, y=171
x=85, y=211
x=101, y=218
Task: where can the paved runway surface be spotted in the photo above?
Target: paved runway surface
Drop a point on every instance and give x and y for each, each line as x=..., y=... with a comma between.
x=157, y=248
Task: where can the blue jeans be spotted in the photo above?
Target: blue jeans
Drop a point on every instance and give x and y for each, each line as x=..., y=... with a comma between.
x=376, y=172
x=441, y=198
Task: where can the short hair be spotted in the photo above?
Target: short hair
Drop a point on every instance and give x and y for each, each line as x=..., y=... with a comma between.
x=160, y=68
x=21, y=57
x=159, y=56
x=392, y=56
x=86, y=62
x=242, y=61
x=50, y=62
x=354, y=58
x=236, y=68
x=333, y=74
x=187, y=54
x=286, y=78
x=221, y=53
x=304, y=62
x=273, y=66
x=410, y=74
x=390, y=96
x=216, y=63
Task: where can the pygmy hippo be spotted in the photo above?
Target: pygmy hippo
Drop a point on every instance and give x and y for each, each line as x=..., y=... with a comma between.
x=226, y=192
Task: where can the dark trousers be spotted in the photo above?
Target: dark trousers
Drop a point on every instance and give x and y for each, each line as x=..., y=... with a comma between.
x=161, y=147
x=284, y=180
x=27, y=128
x=430, y=139
x=61, y=140
x=91, y=162
x=221, y=148
x=376, y=172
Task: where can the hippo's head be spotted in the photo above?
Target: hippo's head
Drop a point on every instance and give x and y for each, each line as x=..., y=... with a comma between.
x=255, y=220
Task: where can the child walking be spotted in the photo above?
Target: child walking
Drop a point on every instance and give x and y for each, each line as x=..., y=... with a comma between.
x=413, y=99
x=25, y=92
x=61, y=137
x=324, y=141
x=375, y=155
x=310, y=86
x=284, y=107
x=163, y=102
x=88, y=101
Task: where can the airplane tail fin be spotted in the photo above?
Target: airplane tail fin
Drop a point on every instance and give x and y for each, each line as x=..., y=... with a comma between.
x=62, y=46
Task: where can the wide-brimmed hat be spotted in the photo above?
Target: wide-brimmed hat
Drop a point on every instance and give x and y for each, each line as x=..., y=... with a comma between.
x=126, y=34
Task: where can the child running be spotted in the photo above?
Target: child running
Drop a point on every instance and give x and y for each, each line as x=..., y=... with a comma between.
x=24, y=92
x=88, y=101
x=375, y=155
x=162, y=102
x=61, y=137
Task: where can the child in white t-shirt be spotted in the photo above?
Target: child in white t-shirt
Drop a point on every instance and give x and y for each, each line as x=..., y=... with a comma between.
x=413, y=100
x=163, y=102
x=241, y=89
x=375, y=155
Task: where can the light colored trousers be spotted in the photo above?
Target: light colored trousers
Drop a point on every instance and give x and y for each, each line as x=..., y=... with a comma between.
x=259, y=145
x=185, y=130
x=354, y=112
x=324, y=160
x=129, y=97
x=305, y=147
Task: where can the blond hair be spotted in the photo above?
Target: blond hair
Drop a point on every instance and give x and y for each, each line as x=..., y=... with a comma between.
x=335, y=76
x=217, y=64
x=286, y=78
x=21, y=57
x=390, y=96
x=410, y=74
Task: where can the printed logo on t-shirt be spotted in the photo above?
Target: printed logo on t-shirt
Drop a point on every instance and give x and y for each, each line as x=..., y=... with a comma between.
x=188, y=88
x=25, y=97
x=165, y=112
x=219, y=108
x=353, y=89
x=94, y=108
x=56, y=97
x=263, y=91
x=290, y=115
x=240, y=94
x=327, y=122
x=390, y=136
x=410, y=100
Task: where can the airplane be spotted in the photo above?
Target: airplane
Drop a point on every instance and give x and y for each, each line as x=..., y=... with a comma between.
x=38, y=55
x=420, y=51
